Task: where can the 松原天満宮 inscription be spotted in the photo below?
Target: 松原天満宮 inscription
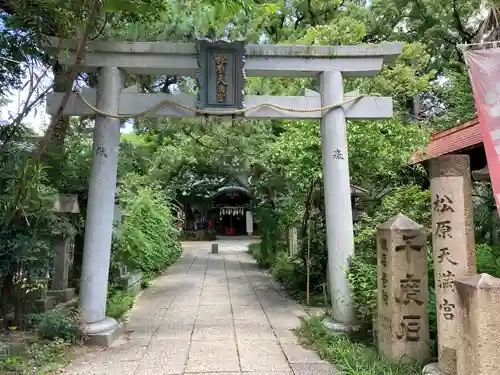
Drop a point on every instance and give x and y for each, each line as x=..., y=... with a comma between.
x=220, y=77
x=443, y=207
x=220, y=69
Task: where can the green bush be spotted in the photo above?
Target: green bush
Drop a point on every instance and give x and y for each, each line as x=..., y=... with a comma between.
x=57, y=324
x=148, y=239
x=254, y=249
x=40, y=358
x=26, y=223
x=362, y=277
x=272, y=251
x=118, y=303
x=283, y=270
x=488, y=259
x=270, y=235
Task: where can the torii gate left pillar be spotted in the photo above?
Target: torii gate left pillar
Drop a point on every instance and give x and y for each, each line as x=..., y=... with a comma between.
x=331, y=63
x=97, y=327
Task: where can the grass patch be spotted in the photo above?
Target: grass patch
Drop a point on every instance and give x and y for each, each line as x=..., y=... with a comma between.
x=349, y=356
x=35, y=358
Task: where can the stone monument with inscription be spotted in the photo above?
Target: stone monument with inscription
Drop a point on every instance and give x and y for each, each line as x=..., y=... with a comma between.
x=453, y=247
x=402, y=320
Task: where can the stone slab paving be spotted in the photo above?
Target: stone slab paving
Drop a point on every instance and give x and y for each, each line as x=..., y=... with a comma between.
x=209, y=314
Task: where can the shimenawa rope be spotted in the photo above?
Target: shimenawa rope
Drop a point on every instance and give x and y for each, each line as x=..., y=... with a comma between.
x=221, y=113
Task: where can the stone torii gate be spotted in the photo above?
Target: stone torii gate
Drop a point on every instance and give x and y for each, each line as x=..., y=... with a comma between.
x=220, y=69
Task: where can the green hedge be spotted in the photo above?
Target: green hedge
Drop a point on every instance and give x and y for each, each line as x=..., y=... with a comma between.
x=148, y=239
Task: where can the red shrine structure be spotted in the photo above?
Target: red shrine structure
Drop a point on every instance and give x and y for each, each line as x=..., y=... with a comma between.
x=464, y=138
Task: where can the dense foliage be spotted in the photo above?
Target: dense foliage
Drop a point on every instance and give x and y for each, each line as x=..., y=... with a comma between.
x=148, y=238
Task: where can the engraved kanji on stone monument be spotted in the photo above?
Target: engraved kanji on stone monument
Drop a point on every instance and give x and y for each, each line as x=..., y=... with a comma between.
x=402, y=320
x=453, y=247
x=384, y=250
x=220, y=77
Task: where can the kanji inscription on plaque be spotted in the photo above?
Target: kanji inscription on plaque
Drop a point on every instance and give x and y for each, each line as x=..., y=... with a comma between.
x=220, y=77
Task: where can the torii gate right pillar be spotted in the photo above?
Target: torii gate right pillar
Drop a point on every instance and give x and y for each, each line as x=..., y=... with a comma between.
x=338, y=211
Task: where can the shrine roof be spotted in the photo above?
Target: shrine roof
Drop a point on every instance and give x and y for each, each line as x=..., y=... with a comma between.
x=463, y=136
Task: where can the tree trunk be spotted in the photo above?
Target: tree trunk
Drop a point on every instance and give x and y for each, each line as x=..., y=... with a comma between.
x=55, y=155
x=7, y=285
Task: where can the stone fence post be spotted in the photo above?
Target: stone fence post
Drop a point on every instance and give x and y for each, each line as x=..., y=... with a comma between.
x=292, y=241
x=453, y=247
x=63, y=251
x=249, y=222
x=402, y=290
x=63, y=259
x=478, y=352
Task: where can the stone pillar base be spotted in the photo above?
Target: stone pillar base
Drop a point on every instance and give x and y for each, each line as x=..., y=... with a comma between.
x=432, y=369
x=102, y=333
x=62, y=295
x=340, y=327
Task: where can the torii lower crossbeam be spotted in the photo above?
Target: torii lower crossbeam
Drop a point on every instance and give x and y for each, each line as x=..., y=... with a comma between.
x=132, y=104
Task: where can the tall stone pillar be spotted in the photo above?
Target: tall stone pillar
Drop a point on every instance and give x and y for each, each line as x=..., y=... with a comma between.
x=338, y=210
x=453, y=247
x=293, y=241
x=63, y=251
x=100, y=209
x=402, y=299
x=249, y=222
x=479, y=352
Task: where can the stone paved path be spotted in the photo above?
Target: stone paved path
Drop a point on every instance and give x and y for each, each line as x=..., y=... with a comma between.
x=210, y=314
